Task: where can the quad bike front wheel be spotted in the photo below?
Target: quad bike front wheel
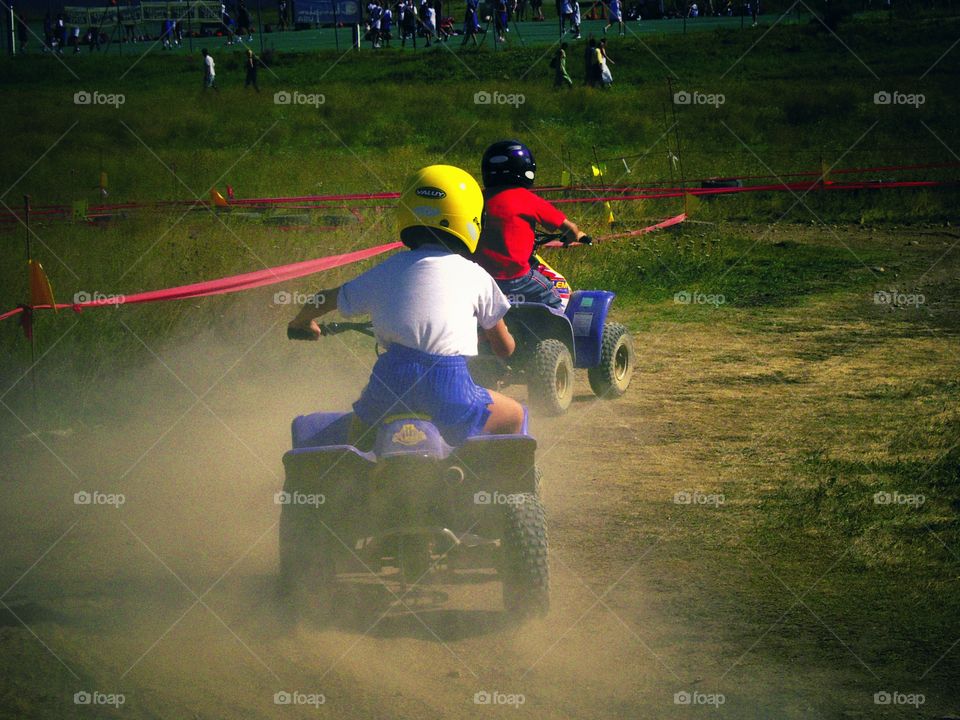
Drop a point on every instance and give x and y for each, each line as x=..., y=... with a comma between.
x=524, y=568
x=550, y=377
x=611, y=378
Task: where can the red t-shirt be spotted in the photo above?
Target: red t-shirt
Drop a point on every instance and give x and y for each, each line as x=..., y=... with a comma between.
x=506, y=241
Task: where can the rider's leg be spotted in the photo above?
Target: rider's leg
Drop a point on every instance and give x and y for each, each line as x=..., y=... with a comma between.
x=506, y=415
x=532, y=288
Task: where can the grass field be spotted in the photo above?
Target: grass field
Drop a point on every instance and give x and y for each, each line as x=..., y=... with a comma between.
x=792, y=388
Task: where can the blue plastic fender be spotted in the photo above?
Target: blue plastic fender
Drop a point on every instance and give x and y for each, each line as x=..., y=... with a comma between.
x=587, y=313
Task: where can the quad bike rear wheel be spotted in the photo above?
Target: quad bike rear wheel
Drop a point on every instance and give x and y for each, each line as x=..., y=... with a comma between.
x=550, y=377
x=307, y=561
x=524, y=568
x=611, y=378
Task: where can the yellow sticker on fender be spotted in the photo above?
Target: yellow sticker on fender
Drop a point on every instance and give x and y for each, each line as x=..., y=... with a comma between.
x=409, y=434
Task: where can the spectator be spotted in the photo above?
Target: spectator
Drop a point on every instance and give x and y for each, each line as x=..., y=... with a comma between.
x=501, y=20
x=408, y=24
x=429, y=15
x=616, y=16
x=575, y=18
x=243, y=23
x=23, y=32
x=209, y=71
x=386, y=26
x=251, y=66
x=61, y=33
x=536, y=8
x=445, y=28
x=177, y=33
x=603, y=63
x=694, y=11
x=374, y=22
x=227, y=22
x=754, y=11
x=282, y=14
x=471, y=23
x=166, y=34
x=589, y=62
x=522, y=10
x=564, y=7
x=561, y=77
x=47, y=33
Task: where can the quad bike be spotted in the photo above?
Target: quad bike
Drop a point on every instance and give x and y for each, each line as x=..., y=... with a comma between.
x=407, y=504
x=551, y=343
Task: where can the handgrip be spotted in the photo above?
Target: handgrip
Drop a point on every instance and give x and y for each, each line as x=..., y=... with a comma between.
x=299, y=334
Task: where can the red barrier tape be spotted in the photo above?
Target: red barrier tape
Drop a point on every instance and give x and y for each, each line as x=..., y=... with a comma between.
x=234, y=283
x=675, y=220
x=268, y=276
x=649, y=191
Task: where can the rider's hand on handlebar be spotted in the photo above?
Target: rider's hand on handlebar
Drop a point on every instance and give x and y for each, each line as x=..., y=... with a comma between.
x=585, y=240
x=303, y=331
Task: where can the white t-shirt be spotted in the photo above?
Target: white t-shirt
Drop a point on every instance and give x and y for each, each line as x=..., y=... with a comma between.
x=208, y=61
x=427, y=299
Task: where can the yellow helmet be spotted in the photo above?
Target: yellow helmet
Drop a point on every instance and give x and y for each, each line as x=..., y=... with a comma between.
x=445, y=198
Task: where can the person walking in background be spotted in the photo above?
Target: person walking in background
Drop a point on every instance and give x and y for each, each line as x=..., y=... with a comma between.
x=589, y=62
x=60, y=30
x=47, y=33
x=166, y=34
x=209, y=71
x=501, y=20
x=282, y=14
x=429, y=20
x=566, y=13
x=375, y=22
x=522, y=10
x=386, y=26
x=251, y=66
x=471, y=23
x=536, y=8
x=561, y=78
x=23, y=32
x=603, y=65
x=408, y=24
x=243, y=23
x=616, y=16
x=575, y=18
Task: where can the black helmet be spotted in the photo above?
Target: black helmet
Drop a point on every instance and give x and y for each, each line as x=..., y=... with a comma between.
x=508, y=163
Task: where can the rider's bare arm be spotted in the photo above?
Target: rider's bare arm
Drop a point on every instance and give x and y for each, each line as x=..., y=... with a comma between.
x=501, y=341
x=571, y=232
x=320, y=304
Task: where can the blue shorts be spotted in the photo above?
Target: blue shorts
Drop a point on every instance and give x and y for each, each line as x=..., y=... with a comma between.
x=533, y=288
x=406, y=380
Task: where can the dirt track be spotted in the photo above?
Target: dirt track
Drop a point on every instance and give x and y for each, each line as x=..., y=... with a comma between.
x=170, y=598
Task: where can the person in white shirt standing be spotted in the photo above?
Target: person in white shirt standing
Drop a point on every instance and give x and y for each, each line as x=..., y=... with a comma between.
x=209, y=71
x=429, y=15
x=426, y=305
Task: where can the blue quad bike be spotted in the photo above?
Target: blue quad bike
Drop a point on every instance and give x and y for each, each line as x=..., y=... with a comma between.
x=399, y=503
x=551, y=343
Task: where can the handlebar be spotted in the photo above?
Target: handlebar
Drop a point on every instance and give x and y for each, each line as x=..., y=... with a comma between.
x=541, y=238
x=333, y=328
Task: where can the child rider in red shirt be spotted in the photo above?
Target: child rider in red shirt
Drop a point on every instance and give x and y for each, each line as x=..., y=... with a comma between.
x=511, y=214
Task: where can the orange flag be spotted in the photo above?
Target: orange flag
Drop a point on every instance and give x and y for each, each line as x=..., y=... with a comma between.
x=41, y=293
